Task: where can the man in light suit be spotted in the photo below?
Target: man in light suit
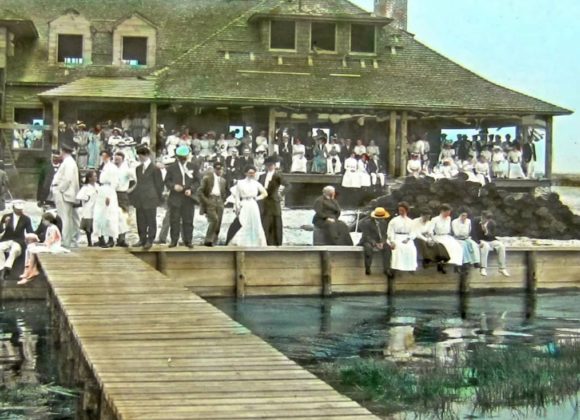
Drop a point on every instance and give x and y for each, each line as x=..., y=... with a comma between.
x=146, y=197
x=64, y=190
x=212, y=194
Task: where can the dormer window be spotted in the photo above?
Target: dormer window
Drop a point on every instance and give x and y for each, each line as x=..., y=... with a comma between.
x=283, y=35
x=135, y=42
x=135, y=51
x=323, y=37
x=70, y=40
x=70, y=49
x=362, y=39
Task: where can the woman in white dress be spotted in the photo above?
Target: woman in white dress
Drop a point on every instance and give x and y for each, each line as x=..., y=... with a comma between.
x=482, y=171
x=205, y=151
x=462, y=233
x=360, y=149
x=246, y=194
x=414, y=166
x=468, y=168
x=52, y=244
x=333, y=164
x=298, y=158
x=363, y=171
x=400, y=237
x=515, y=170
x=442, y=234
x=447, y=152
x=373, y=149
x=222, y=146
x=106, y=213
x=498, y=163
x=351, y=178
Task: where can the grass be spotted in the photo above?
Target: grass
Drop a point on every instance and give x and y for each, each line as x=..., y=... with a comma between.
x=515, y=377
x=35, y=401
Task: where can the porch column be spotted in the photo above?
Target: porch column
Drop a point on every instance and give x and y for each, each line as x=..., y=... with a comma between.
x=549, y=145
x=404, y=142
x=153, y=129
x=55, y=121
x=393, y=144
x=271, y=130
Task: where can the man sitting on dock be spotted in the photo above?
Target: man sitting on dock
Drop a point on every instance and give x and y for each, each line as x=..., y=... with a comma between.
x=374, y=239
x=328, y=230
x=484, y=234
x=13, y=228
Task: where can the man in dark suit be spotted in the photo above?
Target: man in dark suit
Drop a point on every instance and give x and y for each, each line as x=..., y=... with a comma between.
x=271, y=207
x=374, y=239
x=14, y=227
x=182, y=181
x=234, y=171
x=325, y=220
x=245, y=161
x=212, y=194
x=146, y=197
x=346, y=150
x=285, y=149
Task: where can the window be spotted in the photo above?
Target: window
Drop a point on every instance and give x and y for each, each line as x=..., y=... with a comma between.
x=362, y=39
x=282, y=35
x=323, y=37
x=135, y=51
x=70, y=49
x=28, y=138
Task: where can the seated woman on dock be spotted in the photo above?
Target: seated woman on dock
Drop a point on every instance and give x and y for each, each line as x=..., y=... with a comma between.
x=462, y=233
x=429, y=250
x=401, y=238
x=51, y=244
x=442, y=234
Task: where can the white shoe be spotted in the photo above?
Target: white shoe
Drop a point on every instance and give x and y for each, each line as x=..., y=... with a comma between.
x=504, y=272
x=483, y=272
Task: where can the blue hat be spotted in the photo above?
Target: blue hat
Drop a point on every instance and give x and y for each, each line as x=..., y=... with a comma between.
x=182, y=151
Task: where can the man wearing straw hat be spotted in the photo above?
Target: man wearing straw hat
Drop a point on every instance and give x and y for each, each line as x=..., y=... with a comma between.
x=64, y=190
x=374, y=239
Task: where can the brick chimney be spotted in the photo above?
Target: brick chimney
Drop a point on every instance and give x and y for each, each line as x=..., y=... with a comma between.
x=394, y=9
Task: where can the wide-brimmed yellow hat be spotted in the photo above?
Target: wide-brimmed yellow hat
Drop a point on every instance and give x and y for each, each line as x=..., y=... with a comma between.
x=380, y=213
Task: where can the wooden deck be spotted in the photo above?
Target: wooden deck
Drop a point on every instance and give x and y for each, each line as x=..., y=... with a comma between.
x=143, y=347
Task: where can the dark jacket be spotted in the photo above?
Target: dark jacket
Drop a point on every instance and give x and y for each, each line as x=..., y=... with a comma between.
x=23, y=227
x=373, y=168
x=271, y=204
x=529, y=152
x=477, y=232
x=45, y=178
x=234, y=171
x=373, y=233
x=325, y=209
x=148, y=192
x=174, y=177
x=245, y=162
x=205, y=189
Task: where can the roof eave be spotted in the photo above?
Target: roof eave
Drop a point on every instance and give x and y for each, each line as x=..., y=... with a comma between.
x=369, y=19
x=21, y=28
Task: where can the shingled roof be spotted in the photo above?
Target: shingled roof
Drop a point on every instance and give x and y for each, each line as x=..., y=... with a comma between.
x=414, y=78
x=193, y=39
x=181, y=23
x=105, y=87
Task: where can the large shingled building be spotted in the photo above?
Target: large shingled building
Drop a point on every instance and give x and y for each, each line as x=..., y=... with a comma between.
x=214, y=64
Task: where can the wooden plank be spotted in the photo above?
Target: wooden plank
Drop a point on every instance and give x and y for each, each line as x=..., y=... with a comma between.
x=326, y=273
x=240, y=274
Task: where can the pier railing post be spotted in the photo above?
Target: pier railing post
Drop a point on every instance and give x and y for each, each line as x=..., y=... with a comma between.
x=531, y=271
x=240, y=274
x=326, y=269
x=391, y=284
x=161, y=263
x=464, y=280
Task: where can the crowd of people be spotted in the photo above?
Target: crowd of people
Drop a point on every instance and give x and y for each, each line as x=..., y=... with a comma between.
x=480, y=159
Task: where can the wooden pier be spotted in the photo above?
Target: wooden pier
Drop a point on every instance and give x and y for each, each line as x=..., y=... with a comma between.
x=142, y=347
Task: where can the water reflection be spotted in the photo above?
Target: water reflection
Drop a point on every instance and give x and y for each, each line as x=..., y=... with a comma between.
x=28, y=379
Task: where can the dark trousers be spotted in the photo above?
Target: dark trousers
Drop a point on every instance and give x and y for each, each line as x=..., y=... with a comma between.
x=436, y=253
x=183, y=215
x=214, y=212
x=370, y=250
x=147, y=224
x=273, y=228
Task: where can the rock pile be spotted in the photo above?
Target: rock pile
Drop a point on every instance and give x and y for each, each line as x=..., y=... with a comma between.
x=516, y=214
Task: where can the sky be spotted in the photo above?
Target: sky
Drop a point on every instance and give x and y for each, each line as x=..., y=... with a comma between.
x=532, y=46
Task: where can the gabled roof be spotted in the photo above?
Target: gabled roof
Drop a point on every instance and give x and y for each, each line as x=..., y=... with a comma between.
x=312, y=7
x=138, y=15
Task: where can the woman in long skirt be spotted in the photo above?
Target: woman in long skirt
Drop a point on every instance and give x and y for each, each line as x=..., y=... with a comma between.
x=400, y=238
x=462, y=233
x=247, y=193
x=515, y=170
x=443, y=235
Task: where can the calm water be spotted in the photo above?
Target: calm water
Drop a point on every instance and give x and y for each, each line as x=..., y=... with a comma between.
x=409, y=329
x=29, y=383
